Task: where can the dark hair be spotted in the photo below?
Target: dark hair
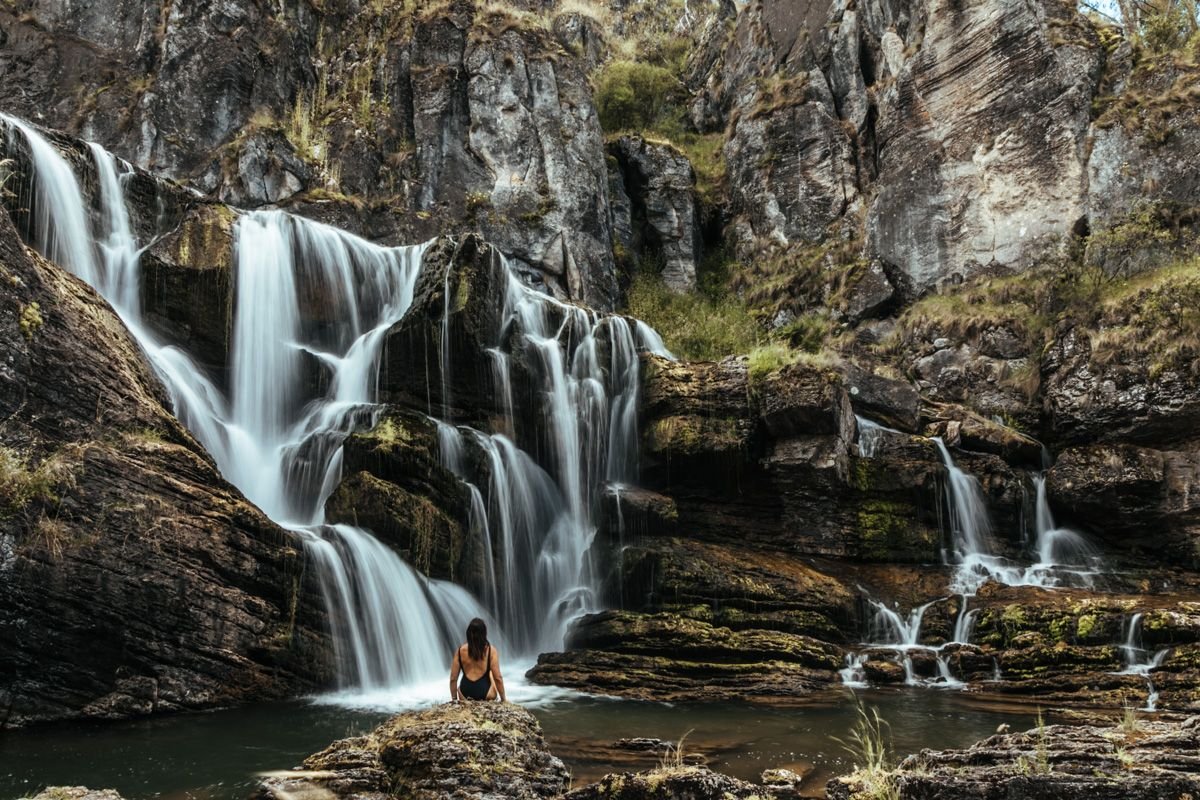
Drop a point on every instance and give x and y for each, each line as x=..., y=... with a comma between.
x=476, y=639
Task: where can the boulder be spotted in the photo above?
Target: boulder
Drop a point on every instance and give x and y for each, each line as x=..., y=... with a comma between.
x=465, y=750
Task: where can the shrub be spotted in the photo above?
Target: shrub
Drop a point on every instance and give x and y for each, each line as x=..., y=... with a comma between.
x=694, y=326
x=638, y=96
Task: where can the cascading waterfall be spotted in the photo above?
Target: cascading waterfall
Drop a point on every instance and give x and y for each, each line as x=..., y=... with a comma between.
x=1139, y=660
x=280, y=446
x=542, y=516
x=1064, y=557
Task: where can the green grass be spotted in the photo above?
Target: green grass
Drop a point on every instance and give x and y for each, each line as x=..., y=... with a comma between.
x=696, y=326
x=21, y=483
x=870, y=747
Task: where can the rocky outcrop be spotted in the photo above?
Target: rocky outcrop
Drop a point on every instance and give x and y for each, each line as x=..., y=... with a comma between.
x=663, y=221
x=1140, y=500
x=669, y=783
x=399, y=122
x=119, y=539
x=1152, y=760
x=75, y=793
x=467, y=750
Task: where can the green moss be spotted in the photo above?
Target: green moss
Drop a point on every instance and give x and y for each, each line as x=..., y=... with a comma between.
x=31, y=320
x=1085, y=625
x=693, y=435
x=388, y=434
x=22, y=483
x=886, y=528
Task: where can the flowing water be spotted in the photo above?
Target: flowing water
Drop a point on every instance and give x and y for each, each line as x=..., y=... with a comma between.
x=312, y=308
x=1139, y=660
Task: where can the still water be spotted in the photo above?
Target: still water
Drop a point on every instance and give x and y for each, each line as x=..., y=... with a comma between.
x=216, y=755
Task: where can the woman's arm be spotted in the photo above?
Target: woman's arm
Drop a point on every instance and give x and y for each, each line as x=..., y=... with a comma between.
x=497, y=678
x=454, y=668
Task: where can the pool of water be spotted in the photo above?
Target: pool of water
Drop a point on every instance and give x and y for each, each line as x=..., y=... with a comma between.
x=216, y=755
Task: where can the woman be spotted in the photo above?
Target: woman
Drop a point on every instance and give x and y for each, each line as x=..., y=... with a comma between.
x=477, y=657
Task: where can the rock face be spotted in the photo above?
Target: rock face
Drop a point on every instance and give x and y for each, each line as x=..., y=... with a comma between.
x=399, y=122
x=119, y=538
x=694, y=783
x=467, y=750
x=662, y=192
x=1155, y=761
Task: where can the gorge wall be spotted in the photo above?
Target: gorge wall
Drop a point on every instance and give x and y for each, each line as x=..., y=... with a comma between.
x=987, y=209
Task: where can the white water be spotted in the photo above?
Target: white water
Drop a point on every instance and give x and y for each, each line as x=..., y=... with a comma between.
x=280, y=445
x=541, y=513
x=870, y=434
x=889, y=630
x=1064, y=557
x=1139, y=660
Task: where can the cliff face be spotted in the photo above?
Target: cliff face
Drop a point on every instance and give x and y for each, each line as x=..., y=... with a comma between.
x=134, y=579
x=951, y=139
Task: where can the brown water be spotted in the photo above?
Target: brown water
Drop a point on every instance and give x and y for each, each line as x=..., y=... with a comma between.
x=216, y=755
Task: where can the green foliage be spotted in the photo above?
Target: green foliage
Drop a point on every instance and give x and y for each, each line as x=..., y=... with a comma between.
x=22, y=484
x=634, y=95
x=1168, y=25
x=694, y=326
x=31, y=320
x=870, y=747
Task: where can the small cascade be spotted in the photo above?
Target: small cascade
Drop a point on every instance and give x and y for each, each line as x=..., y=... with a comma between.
x=871, y=434
x=1139, y=660
x=280, y=444
x=889, y=630
x=965, y=624
x=853, y=675
x=1064, y=557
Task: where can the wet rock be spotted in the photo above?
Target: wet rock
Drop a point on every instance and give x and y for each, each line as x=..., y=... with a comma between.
x=672, y=657
x=187, y=285
x=668, y=783
x=466, y=280
x=632, y=512
x=660, y=182
x=1138, y=500
x=1156, y=761
x=123, y=514
x=468, y=750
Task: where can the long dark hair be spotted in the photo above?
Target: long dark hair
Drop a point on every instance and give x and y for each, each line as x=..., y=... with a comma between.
x=476, y=639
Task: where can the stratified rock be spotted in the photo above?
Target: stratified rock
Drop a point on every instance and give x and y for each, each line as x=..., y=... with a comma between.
x=801, y=399
x=1142, y=502
x=670, y=657
x=1155, y=761
x=118, y=537
x=1012, y=171
x=461, y=750
x=660, y=182
x=669, y=783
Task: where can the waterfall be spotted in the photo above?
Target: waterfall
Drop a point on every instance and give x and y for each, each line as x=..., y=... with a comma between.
x=1064, y=557
x=276, y=441
x=871, y=434
x=1139, y=660
x=542, y=513
x=889, y=630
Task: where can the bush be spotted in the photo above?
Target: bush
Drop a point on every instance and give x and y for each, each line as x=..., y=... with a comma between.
x=694, y=326
x=637, y=96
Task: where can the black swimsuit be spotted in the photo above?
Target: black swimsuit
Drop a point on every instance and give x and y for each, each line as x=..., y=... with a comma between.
x=476, y=689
